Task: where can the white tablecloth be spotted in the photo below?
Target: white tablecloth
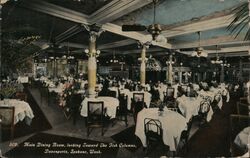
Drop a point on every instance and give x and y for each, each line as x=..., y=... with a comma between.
x=22, y=110
x=172, y=123
x=189, y=106
x=110, y=103
x=147, y=98
x=23, y=79
x=124, y=91
x=242, y=138
x=114, y=89
x=56, y=89
x=162, y=89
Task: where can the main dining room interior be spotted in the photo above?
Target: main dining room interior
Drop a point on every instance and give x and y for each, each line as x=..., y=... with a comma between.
x=125, y=78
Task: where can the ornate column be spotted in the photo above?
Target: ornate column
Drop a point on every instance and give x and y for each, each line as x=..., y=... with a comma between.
x=143, y=64
x=222, y=73
x=180, y=73
x=170, y=70
x=34, y=68
x=92, y=53
x=240, y=70
x=1, y=68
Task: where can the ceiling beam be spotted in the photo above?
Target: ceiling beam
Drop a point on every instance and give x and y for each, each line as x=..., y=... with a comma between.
x=74, y=45
x=68, y=33
x=201, y=25
x=135, y=51
x=117, y=44
x=220, y=41
x=56, y=11
x=116, y=9
x=231, y=54
x=77, y=17
x=134, y=35
x=223, y=51
x=231, y=49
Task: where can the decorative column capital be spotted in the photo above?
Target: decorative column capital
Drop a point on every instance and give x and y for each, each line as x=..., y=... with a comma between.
x=144, y=45
x=94, y=32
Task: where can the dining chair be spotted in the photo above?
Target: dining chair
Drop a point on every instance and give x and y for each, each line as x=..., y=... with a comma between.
x=96, y=116
x=185, y=89
x=122, y=110
x=21, y=96
x=173, y=109
x=137, y=104
x=204, y=108
x=244, y=100
x=169, y=97
x=7, y=114
x=111, y=93
x=155, y=95
x=243, y=109
x=185, y=136
x=237, y=124
x=154, y=133
x=138, y=97
x=75, y=104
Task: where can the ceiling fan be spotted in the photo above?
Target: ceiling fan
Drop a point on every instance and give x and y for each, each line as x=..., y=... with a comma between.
x=154, y=29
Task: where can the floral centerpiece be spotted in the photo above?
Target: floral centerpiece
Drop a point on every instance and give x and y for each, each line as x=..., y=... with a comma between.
x=69, y=90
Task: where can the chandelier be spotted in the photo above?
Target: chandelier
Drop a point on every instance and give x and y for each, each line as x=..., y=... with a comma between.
x=199, y=52
x=114, y=60
x=225, y=64
x=217, y=60
x=155, y=29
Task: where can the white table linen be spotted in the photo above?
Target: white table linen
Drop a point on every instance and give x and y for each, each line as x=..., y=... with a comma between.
x=23, y=79
x=22, y=110
x=162, y=90
x=59, y=89
x=189, y=106
x=124, y=91
x=114, y=89
x=172, y=123
x=242, y=138
x=110, y=103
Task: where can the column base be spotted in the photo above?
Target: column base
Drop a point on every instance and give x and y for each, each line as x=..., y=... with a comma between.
x=92, y=93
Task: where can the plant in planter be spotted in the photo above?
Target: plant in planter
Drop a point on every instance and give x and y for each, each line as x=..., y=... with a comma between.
x=7, y=91
x=67, y=96
x=241, y=21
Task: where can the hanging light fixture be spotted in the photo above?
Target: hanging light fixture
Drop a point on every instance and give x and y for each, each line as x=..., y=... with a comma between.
x=97, y=53
x=199, y=52
x=225, y=64
x=154, y=29
x=114, y=60
x=217, y=61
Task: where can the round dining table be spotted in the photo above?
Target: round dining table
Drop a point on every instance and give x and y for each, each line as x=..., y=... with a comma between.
x=110, y=103
x=172, y=125
x=22, y=110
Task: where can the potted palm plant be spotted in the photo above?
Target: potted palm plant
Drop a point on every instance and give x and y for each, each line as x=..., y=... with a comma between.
x=241, y=20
